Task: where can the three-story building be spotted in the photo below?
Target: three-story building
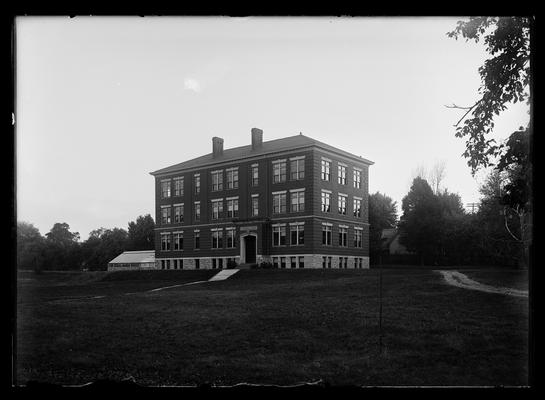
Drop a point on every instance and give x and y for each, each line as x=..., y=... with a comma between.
x=295, y=202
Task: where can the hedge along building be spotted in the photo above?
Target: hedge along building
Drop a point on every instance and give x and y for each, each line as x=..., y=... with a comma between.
x=295, y=202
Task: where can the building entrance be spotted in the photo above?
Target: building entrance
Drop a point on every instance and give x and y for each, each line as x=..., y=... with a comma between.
x=250, y=249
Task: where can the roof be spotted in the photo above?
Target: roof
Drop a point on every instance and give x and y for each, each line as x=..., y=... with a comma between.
x=388, y=235
x=130, y=257
x=271, y=146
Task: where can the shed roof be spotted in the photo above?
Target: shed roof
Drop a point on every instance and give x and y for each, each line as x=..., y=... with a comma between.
x=271, y=146
x=130, y=257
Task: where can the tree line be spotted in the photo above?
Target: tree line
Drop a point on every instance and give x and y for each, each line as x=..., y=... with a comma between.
x=436, y=228
x=60, y=249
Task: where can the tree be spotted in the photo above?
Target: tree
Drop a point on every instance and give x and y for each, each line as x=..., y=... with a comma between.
x=62, y=248
x=102, y=246
x=505, y=78
x=436, y=175
x=141, y=233
x=30, y=247
x=418, y=225
x=382, y=215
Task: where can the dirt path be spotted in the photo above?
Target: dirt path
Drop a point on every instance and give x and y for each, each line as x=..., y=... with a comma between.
x=458, y=279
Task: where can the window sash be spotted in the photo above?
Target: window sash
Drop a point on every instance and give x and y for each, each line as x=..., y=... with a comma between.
x=179, y=187
x=255, y=176
x=297, y=169
x=232, y=179
x=179, y=214
x=326, y=202
x=326, y=170
x=279, y=203
x=255, y=206
x=165, y=189
x=279, y=172
x=298, y=201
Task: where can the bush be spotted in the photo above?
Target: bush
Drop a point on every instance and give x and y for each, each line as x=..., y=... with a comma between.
x=231, y=264
x=266, y=265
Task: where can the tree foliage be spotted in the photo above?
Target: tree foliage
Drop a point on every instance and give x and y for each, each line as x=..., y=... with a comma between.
x=382, y=215
x=30, y=247
x=505, y=78
x=141, y=233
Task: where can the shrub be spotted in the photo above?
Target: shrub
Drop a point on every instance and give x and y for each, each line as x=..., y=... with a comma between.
x=266, y=265
x=231, y=264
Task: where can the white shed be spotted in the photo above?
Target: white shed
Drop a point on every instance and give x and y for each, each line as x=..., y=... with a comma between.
x=133, y=260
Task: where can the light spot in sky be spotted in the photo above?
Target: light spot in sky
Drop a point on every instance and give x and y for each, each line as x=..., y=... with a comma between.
x=192, y=84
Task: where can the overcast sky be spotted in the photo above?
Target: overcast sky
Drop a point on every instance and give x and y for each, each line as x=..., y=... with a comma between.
x=103, y=101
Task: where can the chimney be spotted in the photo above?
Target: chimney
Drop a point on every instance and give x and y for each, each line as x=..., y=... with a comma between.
x=217, y=146
x=257, y=138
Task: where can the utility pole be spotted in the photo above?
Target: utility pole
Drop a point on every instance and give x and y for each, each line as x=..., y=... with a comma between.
x=380, y=308
x=473, y=206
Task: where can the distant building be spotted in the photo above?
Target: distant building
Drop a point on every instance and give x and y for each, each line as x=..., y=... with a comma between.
x=393, y=252
x=133, y=260
x=295, y=202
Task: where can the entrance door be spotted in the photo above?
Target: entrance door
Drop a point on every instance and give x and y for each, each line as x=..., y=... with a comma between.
x=250, y=244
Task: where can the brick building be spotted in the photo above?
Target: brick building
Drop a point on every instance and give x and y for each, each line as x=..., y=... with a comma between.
x=295, y=202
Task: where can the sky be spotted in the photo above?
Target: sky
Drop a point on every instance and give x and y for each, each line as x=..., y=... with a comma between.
x=103, y=101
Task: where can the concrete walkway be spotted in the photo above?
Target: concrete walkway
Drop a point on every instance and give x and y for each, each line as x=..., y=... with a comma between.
x=223, y=274
x=460, y=280
x=220, y=276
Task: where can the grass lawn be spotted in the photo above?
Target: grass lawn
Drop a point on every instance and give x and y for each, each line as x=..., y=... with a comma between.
x=271, y=327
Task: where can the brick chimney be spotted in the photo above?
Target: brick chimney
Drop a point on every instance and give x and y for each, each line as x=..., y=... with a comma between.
x=257, y=138
x=217, y=146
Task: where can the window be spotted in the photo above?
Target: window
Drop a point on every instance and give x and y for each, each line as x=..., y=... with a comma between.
x=343, y=237
x=232, y=208
x=213, y=263
x=301, y=262
x=179, y=213
x=197, y=240
x=255, y=206
x=329, y=262
x=168, y=264
x=231, y=244
x=179, y=186
x=279, y=171
x=326, y=201
x=342, y=204
x=340, y=262
x=342, y=175
x=217, y=239
x=175, y=264
x=357, y=207
x=293, y=262
x=297, y=234
x=298, y=201
x=279, y=235
x=326, y=168
x=165, y=189
x=279, y=203
x=220, y=263
x=346, y=262
x=197, y=211
x=217, y=208
x=357, y=178
x=324, y=262
x=197, y=183
x=178, y=241
x=217, y=180
x=165, y=215
x=326, y=235
x=282, y=262
x=197, y=263
x=297, y=169
x=232, y=178
x=255, y=175
x=165, y=241
x=275, y=262
x=358, y=238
